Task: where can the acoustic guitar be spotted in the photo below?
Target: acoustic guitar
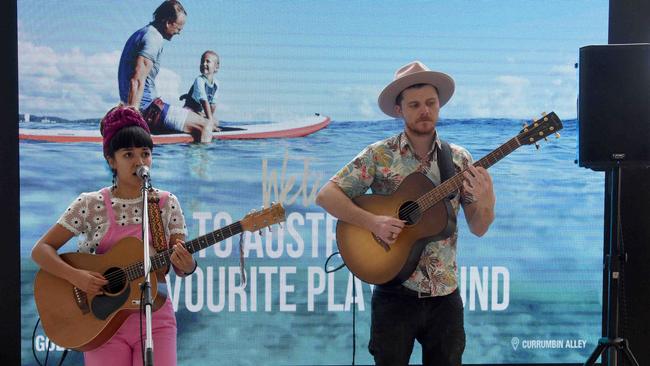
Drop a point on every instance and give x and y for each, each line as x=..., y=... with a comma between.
x=75, y=320
x=426, y=210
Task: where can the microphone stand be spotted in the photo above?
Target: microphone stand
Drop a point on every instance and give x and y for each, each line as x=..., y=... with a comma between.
x=146, y=285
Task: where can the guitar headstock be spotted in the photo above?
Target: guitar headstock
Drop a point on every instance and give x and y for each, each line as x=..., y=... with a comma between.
x=260, y=219
x=539, y=129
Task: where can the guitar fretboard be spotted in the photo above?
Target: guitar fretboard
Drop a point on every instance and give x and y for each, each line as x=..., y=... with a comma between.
x=453, y=184
x=160, y=260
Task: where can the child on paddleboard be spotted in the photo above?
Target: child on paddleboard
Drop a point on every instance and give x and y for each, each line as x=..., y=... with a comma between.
x=201, y=98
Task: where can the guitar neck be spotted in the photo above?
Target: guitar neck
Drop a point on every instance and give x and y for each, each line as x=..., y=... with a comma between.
x=454, y=183
x=161, y=259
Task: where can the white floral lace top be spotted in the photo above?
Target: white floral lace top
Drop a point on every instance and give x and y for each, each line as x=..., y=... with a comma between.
x=87, y=217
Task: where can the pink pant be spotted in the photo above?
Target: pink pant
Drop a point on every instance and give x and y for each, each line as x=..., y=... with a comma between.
x=124, y=347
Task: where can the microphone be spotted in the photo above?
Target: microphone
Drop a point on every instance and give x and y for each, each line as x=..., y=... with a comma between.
x=143, y=172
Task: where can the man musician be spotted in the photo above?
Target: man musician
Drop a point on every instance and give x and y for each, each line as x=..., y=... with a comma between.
x=427, y=307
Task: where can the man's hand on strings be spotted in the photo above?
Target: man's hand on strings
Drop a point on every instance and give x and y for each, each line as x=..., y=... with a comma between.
x=477, y=187
x=387, y=228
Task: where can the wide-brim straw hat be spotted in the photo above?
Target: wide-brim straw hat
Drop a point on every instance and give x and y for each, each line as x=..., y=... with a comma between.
x=411, y=74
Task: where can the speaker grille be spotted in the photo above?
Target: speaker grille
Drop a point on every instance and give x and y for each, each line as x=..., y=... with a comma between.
x=614, y=106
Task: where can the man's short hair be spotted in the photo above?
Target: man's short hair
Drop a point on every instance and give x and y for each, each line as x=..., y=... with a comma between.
x=400, y=96
x=168, y=11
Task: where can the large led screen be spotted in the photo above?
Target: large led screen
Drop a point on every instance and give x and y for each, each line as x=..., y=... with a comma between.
x=531, y=286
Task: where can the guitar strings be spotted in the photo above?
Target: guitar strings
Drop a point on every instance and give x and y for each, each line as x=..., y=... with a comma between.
x=162, y=257
x=429, y=199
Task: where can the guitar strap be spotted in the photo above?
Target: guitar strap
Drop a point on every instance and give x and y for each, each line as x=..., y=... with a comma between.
x=445, y=162
x=447, y=171
x=155, y=222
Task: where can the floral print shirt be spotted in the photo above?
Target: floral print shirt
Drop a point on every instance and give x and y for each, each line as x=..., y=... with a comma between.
x=381, y=167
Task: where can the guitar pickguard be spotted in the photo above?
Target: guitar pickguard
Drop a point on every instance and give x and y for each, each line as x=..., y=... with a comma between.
x=103, y=306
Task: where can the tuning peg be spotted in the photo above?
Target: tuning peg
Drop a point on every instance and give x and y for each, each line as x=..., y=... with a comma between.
x=557, y=135
x=524, y=125
x=543, y=114
x=546, y=139
x=537, y=146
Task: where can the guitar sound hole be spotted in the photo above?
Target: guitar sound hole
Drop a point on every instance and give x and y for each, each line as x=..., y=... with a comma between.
x=410, y=212
x=116, y=280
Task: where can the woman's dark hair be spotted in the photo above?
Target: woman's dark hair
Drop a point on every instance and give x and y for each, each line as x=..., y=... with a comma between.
x=131, y=136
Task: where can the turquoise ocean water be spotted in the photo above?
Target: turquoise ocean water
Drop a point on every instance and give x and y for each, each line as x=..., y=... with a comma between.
x=547, y=239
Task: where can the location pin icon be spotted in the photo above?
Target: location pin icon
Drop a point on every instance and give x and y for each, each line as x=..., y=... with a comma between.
x=514, y=342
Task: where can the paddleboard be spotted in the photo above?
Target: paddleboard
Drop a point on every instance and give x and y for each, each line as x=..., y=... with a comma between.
x=241, y=132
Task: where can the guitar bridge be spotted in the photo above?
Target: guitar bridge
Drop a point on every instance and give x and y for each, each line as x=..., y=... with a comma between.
x=381, y=242
x=81, y=299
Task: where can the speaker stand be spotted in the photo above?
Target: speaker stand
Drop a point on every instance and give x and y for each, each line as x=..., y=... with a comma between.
x=615, y=258
x=619, y=344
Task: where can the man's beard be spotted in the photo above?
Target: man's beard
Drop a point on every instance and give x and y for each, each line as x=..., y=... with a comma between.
x=416, y=130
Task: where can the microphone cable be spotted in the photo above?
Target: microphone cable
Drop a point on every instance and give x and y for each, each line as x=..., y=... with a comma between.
x=354, y=302
x=47, y=348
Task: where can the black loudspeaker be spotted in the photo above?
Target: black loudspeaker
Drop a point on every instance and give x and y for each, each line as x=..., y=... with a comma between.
x=614, y=106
